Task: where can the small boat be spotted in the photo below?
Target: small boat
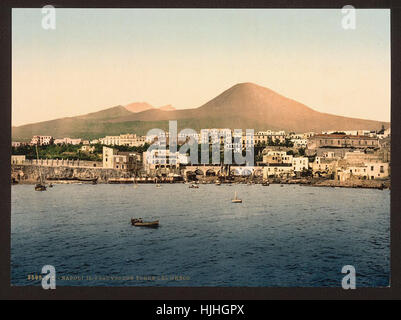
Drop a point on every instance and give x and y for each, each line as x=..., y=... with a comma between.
x=236, y=199
x=140, y=223
x=158, y=185
x=195, y=186
x=50, y=185
x=218, y=183
x=265, y=183
x=40, y=187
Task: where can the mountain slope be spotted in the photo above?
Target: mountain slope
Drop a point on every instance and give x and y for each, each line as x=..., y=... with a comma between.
x=243, y=106
x=143, y=106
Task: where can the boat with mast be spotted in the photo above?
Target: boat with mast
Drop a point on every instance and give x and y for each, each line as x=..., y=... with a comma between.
x=236, y=199
x=39, y=186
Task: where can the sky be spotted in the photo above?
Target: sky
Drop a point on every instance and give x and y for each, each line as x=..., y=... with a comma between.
x=99, y=58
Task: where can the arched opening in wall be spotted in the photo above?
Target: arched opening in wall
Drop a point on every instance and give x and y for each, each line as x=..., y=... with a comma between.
x=210, y=173
x=199, y=172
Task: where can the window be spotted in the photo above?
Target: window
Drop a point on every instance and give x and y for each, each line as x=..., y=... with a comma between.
x=371, y=168
x=381, y=169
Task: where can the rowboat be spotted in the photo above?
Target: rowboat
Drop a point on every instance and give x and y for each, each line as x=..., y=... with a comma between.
x=195, y=186
x=40, y=187
x=141, y=223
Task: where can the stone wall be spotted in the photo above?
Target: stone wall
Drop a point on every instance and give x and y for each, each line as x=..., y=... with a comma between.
x=30, y=173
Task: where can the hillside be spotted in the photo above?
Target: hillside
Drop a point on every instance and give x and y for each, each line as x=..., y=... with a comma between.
x=242, y=106
x=136, y=107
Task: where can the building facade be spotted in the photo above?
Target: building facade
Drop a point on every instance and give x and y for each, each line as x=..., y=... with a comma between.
x=342, y=141
x=42, y=140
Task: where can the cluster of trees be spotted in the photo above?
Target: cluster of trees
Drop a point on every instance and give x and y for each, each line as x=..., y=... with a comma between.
x=139, y=149
x=69, y=151
x=54, y=151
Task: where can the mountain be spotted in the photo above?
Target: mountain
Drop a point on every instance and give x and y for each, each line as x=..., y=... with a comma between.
x=168, y=107
x=136, y=107
x=243, y=106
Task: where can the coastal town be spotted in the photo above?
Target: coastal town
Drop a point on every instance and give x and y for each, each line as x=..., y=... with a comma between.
x=358, y=158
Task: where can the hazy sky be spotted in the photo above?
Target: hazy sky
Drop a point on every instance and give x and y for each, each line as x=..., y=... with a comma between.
x=99, y=58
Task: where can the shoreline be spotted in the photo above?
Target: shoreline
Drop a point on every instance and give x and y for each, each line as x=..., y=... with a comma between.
x=22, y=174
x=359, y=184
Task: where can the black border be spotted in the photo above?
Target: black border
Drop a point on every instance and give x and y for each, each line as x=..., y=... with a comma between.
x=194, y=293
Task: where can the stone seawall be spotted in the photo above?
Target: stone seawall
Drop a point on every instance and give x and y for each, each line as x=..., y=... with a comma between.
x=30, y=173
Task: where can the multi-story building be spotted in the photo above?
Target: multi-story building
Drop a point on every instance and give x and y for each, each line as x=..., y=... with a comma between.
x=278, y=170
x=299, y=142
x=263, y=137
x=131, y=140
x=300, y=163
x=125, y=161
x=162, y=158
x=185, y=137
x=342, y=141
x=323, y=165
x=42, y=140
x=368, y=171
x=108, y=155
x=213, y=136
x=271, y=156
x=68, y=141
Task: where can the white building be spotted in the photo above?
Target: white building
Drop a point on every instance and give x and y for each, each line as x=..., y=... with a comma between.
x=261, y=137
x=300, y=163
x=213, y=136
x=183, y=137
x=131, y=140
x=163, y=158
x=42, y=140
x=278, y=170
x=369, y=171
x=68, y=141
x=299, y=142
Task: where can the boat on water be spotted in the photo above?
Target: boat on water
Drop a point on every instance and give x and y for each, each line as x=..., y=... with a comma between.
x=158, y=185
x=195, y=186
x=218, y=183
x=236, y=199
x=265, y=183
x=140, y=223
x=39, y=186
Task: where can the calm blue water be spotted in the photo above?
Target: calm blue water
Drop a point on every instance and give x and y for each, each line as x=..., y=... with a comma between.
x=279, y=236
